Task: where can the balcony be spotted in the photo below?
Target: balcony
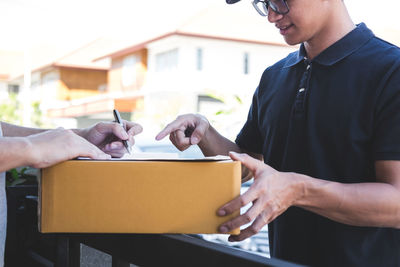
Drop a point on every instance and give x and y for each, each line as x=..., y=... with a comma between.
x=27, y=247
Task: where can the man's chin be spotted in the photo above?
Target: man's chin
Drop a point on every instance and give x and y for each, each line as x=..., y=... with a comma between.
x=291, y=41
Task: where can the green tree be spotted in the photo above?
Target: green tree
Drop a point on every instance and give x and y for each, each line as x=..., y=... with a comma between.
x=10, y=110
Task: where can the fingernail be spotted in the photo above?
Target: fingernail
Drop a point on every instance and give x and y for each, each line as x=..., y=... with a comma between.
x=195, y=140
x=223, y=229
x=221, y=213
x=125, y=135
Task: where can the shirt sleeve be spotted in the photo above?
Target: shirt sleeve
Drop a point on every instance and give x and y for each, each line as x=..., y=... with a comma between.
x=386, y=141
x=249, y=138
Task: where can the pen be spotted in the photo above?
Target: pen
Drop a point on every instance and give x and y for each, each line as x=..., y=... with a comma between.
x=119, y=120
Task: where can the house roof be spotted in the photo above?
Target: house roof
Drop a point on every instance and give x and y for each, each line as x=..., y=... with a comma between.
x=10, y=61
x=221, y=22
x=83, y=57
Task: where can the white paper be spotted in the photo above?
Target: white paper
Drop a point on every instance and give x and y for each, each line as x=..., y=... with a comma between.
x=145, y=156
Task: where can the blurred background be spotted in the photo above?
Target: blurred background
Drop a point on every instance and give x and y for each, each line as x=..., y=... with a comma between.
x=69, y=63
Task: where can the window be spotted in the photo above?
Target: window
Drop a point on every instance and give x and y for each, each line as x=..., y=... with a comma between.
x=199, y=63
x=208, y=105
x=13, y=89
x=128, y=71
x=167, y=61
x=246, y=63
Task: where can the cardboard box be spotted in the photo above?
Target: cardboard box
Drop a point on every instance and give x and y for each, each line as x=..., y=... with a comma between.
x=87, y=196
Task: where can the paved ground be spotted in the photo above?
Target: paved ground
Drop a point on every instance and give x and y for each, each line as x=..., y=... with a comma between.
x=93, y=258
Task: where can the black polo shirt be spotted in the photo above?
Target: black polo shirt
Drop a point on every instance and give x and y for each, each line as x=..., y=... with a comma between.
x=330, y=118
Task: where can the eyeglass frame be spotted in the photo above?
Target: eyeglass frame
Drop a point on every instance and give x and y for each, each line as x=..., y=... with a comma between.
x=267, y=3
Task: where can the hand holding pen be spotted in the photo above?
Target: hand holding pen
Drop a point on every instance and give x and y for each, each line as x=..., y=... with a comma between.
x=118, y=119
x=108, y=136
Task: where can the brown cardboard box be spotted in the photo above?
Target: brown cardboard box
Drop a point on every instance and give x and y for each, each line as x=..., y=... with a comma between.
x=86, y=196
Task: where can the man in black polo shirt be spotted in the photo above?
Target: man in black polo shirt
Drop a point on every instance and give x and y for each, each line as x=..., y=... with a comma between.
x=326, y=122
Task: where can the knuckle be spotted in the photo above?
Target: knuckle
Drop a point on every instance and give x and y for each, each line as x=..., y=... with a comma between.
x=229, y=225
x=99, y=125
x=243, y=201
x=264, y=218
x=68, y=133
x=253, y=229
x=247, y=217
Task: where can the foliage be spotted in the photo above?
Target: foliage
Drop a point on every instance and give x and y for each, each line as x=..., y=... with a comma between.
x=231, y=108
x=36, y=116
x=230, y=117
x=11, y=111
x=19, y=176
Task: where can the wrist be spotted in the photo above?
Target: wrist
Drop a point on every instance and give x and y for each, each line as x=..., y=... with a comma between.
x=300, y=188
x=206, y=137
x=28, y=154
x=80, y=132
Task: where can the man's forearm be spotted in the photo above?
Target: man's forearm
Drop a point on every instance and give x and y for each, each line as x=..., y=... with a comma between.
x=362, y=204
x=214, y=144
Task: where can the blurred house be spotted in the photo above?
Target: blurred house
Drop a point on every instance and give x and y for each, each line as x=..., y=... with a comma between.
x=10, y=61
x=177, y=71
x=220, y=51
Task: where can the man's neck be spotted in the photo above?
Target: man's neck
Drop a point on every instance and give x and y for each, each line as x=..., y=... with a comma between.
x=339, y=25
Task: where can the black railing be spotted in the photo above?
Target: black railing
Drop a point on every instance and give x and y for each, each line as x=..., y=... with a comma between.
x=27, y=247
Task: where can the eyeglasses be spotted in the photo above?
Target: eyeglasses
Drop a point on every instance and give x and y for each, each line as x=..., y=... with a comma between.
x=278, y=6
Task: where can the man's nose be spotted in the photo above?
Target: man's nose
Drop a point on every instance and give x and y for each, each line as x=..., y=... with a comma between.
x=273, y=16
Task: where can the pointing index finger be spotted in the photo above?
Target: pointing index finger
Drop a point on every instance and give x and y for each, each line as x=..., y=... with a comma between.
x=173, y=126
x=166, y=131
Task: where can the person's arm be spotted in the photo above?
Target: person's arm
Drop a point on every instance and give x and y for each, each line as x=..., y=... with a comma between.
x=45, y=149
x=11, y=130
x=13, y=152
x=105, y=135
x=362, y=204
x=41, y=148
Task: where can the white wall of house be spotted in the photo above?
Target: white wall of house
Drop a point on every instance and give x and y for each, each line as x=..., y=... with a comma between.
x=3, y=90
x=48, y=90
x=175, y=90
x=223, y=63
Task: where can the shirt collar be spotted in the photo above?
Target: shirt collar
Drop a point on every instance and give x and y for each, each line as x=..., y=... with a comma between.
x=339, y=50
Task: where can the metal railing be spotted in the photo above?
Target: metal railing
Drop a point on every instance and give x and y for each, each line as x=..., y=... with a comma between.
x=27, y=247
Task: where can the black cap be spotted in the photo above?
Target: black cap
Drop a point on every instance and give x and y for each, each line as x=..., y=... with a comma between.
x=232, y=1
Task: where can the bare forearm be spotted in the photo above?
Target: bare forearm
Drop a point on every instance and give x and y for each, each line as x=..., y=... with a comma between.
x=11, y=130
x=215, y=144
x=362, y=204
x=14, y=152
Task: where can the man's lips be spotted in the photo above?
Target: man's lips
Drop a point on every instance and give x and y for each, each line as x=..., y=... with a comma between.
x=283, y=29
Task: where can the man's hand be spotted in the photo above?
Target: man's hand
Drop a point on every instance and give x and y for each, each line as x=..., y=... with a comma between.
x=185, y=131
x=54, y=146
x=108, y=136
x=271, y=194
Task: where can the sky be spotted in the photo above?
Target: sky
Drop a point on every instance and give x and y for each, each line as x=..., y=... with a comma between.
x=70, y=23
